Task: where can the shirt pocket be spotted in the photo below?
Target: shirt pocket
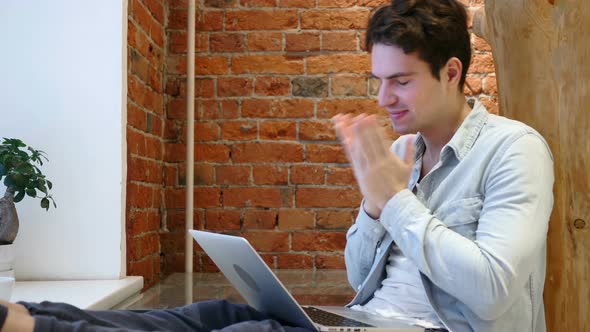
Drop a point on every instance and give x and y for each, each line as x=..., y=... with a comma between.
x=461, y=216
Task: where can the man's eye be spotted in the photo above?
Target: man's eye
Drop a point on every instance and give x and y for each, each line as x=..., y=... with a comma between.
x=403, y=82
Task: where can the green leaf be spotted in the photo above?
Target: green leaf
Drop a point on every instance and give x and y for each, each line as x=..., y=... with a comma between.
x=19, y=197
x=2, y=170
x=49, y=184
x=45, y=203
x=9, y=182
x=41, y=185
x=31, y=192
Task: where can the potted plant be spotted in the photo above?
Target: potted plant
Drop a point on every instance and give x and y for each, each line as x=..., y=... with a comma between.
x=22, y=177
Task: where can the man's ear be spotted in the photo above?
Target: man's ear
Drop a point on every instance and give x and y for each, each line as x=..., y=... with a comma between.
x=452, y=72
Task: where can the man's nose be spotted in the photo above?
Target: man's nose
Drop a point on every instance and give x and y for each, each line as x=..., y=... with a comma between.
x=387, y=96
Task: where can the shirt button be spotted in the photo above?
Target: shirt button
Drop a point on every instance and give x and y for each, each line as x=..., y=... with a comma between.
x=359, y=288
x=378, y=250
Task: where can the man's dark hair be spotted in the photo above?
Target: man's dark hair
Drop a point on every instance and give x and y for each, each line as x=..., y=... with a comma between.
x=436, y=29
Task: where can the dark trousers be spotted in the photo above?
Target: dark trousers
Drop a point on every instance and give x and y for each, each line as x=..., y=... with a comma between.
x=201, y=316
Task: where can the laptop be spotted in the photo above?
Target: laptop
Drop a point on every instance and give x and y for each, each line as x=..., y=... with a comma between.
x=260, y=287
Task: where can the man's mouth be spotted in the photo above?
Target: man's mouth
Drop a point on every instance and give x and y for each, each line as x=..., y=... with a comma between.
x=396, y=115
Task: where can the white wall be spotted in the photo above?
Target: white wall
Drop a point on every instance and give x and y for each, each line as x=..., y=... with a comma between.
x=62, y=71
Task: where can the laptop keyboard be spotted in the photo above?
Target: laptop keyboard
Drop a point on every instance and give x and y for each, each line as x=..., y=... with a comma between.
x=329, y=319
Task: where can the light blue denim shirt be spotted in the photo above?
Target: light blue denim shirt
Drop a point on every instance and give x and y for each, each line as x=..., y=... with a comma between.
x=476, y=227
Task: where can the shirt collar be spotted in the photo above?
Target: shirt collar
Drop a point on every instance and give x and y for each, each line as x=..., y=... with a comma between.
x=465, y=136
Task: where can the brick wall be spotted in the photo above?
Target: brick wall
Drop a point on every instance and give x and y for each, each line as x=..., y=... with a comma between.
x=269, y=75
x=146, y=59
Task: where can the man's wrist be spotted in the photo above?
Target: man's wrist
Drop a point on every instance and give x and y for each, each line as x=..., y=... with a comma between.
x=371, y=210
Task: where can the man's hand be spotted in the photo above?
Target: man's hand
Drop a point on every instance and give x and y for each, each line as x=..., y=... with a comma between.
x=379, y=173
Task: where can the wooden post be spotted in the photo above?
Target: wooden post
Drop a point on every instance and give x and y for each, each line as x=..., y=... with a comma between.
x=542, y=54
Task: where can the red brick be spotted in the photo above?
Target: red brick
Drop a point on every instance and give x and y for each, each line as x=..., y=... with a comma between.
x=154, y=147
x=260, y=219
x=239, y=131
x=349, y=86
x=318, y=241
x=327, y=198
x=232, y=174
x=136, y=142
x=340, y=176
x=178, y=4
x=203, y=174
x=325, y=153
x=330, y=262
x=316, y=131
x=143, y=268
x=296, y=219
x=267, y=152
x=227, y=42
x=157, y=9
x=175, y=219
x=336, y=3
x=143, y=222
x=479, y=44
x=234, y=86
x=258, y=3
x=171, y=175
x=299, y=42
x=272, y=86
x=261, y=20
x=208, y=109
x=221, y=3
x=334, y=219
x=178, y=42
x=144, y=170
x=265, y=41
x=206, y=197
x=278, y=130
x=327, y=108
x=294, y=261
x=473, y=86
x=339, y=63
x=307, y=174
x=139, y=40
x=267, y=64
x=268, y=241
x=490, y=86
x=140, y=196
x=204, y=65
x=289, y=108
x=252, y=197
x=136, y=117
x=334, y=19
x=206, y=131
x=230, y=109
x=212, y=152
x=491, y=104
x=297, y=3
x=222, y=220
x=206, y=20
x=482, y=63
x=172, y=241
x=270, y=174
x=147, y=22
x=339, y=41
x=144, y=96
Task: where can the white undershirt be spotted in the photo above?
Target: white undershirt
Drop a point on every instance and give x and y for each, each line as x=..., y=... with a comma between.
x=401, y=292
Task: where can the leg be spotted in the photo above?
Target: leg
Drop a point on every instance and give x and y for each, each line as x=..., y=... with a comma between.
x=200, y=316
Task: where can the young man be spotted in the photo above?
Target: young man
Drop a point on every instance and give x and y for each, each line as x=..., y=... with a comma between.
x=452, y=229
x=451, y=232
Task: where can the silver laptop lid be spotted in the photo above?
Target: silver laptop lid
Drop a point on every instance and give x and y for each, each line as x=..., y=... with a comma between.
x=253, y=279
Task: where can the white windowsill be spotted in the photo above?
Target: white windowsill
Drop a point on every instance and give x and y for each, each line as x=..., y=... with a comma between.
x=85, y=294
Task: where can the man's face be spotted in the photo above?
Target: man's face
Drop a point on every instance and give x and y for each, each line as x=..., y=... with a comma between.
x=409, y=92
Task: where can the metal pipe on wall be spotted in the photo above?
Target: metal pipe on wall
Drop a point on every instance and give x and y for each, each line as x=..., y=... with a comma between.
x=190, y=136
